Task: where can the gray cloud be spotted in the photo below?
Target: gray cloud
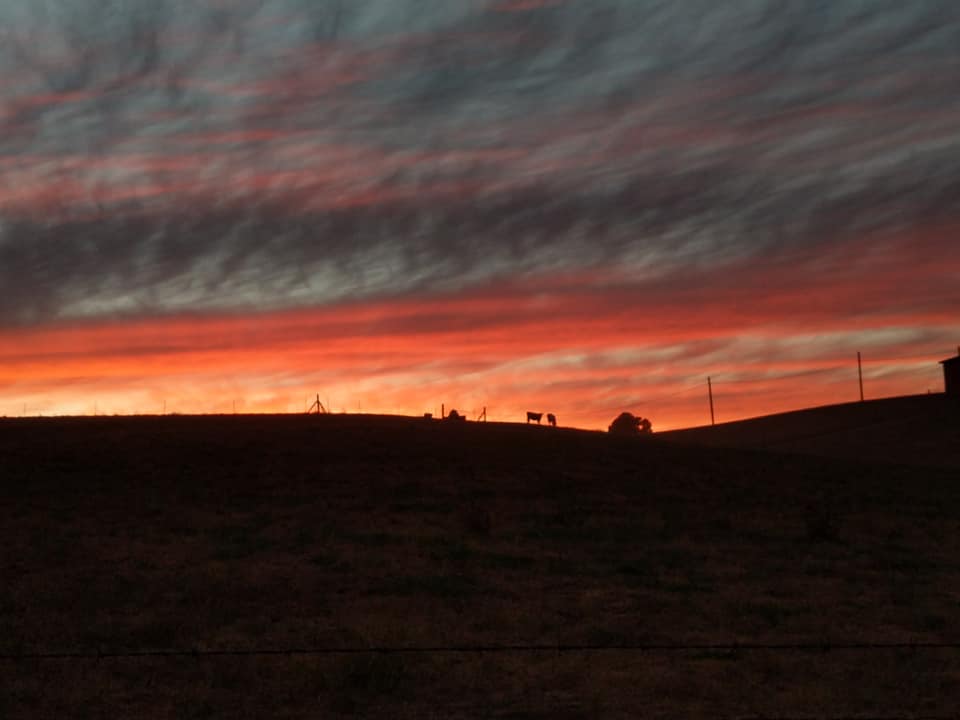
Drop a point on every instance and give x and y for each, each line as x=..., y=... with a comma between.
x=169, y=155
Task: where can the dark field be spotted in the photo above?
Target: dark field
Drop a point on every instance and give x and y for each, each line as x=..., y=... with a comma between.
x=352, y=532
x=917, y=430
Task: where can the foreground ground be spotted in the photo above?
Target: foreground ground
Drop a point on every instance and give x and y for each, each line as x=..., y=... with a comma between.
x=350, y=533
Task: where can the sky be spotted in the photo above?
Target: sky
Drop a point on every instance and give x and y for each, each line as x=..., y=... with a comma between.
x=572, y=206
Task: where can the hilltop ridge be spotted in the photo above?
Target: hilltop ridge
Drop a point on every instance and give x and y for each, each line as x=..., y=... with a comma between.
x=921, y=430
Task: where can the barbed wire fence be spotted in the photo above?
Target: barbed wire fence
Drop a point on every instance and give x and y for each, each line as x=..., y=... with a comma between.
x=638, y=650
x=731, y=648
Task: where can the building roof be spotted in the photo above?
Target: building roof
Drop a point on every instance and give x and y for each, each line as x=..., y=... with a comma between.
x=950, y=360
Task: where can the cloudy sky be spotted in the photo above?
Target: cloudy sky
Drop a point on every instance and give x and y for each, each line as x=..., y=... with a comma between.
x=576, y=206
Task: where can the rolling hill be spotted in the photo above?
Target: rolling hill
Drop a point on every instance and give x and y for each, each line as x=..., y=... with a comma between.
x=344, y=566
x=918, y=430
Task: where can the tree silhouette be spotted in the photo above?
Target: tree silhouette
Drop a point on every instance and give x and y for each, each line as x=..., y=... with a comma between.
x=629, y=424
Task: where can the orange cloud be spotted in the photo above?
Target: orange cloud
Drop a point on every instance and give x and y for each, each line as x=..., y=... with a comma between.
x=773, y=337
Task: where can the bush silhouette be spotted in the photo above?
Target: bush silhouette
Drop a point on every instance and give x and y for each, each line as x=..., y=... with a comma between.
x=629, y=424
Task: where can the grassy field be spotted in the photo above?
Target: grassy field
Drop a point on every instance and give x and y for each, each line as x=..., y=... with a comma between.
x=352, y=532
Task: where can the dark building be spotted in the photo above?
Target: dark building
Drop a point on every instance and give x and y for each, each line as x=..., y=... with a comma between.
x=951, y=375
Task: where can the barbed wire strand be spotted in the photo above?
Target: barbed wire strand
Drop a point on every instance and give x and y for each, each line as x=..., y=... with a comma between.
x=845, y=717
x=102, y=654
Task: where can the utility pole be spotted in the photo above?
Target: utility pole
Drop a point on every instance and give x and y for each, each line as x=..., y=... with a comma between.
x=860, y=373
x=710, y=393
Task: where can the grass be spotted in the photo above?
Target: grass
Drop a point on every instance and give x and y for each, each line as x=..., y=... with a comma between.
x=211, y=533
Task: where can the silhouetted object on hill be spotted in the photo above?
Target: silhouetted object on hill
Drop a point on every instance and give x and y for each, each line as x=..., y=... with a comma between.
x=317, y=407
x=534, y=416
x=951, y=375
x=625, y=424
x=552, y=419
x=454, y=416
x=629, y=424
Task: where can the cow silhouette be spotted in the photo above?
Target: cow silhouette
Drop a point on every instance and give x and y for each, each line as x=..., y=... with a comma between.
x=552, y=419
x=534, y=416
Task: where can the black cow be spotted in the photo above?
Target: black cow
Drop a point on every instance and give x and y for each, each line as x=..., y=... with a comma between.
x=534, y=416
x=552, y=419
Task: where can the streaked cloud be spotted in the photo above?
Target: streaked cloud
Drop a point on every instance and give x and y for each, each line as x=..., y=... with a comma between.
x=652, y=179
x=581, y=346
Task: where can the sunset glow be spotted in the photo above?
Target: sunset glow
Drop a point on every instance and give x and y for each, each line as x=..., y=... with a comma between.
x=552, y=205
